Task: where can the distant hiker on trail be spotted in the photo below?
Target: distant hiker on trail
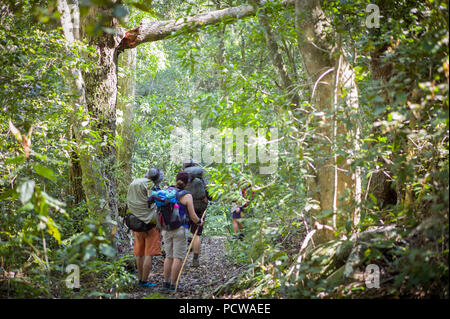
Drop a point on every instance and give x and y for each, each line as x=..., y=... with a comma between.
x=237, y=210
x=197, y=187
x=173, y=204
x=147, y=238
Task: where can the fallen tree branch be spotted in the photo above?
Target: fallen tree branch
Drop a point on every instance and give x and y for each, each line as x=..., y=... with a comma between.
x=149, y=31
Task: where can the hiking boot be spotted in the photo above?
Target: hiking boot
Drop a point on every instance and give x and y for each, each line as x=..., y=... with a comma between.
x=195, y=262
x=172, y=289
x=166, y=286
x=146, y=284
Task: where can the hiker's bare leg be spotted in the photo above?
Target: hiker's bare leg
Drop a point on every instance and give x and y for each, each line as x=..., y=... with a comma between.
x=240, y=225
x=167, y=268
x=140, y=264
x=146, y=267
x=176, y=266
x=237, y=226
x=196, y=245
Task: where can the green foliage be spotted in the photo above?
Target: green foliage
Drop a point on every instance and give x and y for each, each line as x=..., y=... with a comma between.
x=224, y=76
x=218, y=220
x=39, y=233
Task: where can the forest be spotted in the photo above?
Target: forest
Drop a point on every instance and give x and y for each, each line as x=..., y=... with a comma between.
x=332, y=114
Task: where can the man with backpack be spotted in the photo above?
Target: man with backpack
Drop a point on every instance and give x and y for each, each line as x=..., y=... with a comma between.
x=197, y=187
x=142, y=220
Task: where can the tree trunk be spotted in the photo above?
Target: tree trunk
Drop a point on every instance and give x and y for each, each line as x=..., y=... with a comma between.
x=331, y=76
x=75, y=173
x=125, y=131
x=81, y=163
x=94, y=116
x=101, y=100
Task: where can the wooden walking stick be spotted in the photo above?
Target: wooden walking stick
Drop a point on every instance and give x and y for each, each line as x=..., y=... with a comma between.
x=187, y=254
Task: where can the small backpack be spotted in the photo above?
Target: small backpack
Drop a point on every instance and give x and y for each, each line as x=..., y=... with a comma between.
x=166, y=200
x=135, y=224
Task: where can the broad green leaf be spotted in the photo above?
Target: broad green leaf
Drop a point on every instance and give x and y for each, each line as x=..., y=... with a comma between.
x=44, y=171
x=89, y=252
x=107, y=250
x=43, y=207
x=15, y=131
x=53, y=229
x=373, y=198
x=53, y=202
x=26, y=190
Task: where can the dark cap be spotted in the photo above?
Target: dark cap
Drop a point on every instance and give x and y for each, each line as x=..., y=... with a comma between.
x=155, y=175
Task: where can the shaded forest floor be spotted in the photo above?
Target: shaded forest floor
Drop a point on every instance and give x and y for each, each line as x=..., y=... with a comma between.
x=196, y=282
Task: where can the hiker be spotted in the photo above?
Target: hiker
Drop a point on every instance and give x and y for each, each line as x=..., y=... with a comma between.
x=237, y=211
x=146, y=244
x=175, y=244
x=197, y=187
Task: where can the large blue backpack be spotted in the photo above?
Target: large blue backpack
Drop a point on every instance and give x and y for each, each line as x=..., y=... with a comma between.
x=168, y=217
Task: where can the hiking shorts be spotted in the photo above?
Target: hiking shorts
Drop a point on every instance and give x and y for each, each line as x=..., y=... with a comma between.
x=193, y=227
x=147, y=244
x=237, y=215
x=175, y=244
